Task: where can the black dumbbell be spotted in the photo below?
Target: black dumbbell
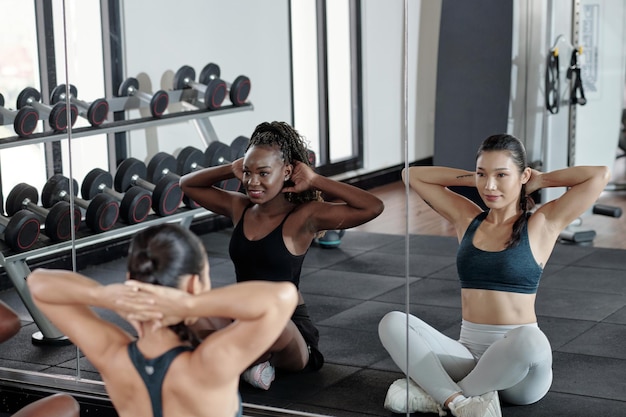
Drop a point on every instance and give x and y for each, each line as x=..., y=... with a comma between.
x=95, y=112
x=166, y=193
x=57, y=220
x=217, y=153
x=24, y=120
x=238, y=91
x=57, y=114
x=20, y=231
x=101, y=212
x=214, y=92
x=134, y=204
x=162, y=164
x=158, y=101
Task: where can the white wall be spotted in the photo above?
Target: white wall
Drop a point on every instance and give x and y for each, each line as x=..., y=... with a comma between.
x=383, y=66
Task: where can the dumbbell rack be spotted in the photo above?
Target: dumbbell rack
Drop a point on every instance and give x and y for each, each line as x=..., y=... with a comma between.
x=15, y=263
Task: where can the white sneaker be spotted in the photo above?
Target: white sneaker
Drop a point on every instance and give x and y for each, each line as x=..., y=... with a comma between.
x=260, y=375
x=486, y=405
x=418, y=401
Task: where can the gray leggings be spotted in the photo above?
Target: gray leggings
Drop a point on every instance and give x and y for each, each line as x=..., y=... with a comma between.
x=515, y=360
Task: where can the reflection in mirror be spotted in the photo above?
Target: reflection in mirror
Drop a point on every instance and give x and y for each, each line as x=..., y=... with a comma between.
x=348, y=300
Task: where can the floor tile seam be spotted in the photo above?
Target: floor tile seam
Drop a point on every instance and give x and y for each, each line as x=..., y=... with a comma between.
x=595, y=397
x=320, y=326
x=317, y=413
x=423, y=304
x=340, y=297
x=329, y=268
x=381, y=276
x=330, y=265
x=596, y=267
x=589, y=355
x=577, y=290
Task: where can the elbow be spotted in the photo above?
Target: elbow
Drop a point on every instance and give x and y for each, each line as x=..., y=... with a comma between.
x=182, y=182
x=287, y=296
x=605, y=174
x=378, y=209
x=35, y=282
x=406, y=174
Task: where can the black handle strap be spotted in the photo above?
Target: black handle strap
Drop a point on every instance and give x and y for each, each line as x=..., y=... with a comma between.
x=577, y=95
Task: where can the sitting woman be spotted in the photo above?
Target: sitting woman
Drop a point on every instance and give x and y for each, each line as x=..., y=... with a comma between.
x=166, y=371
x=275, y=223
x=503, y=250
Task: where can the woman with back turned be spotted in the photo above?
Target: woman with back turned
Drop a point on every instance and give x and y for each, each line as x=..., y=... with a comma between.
x=166, y=371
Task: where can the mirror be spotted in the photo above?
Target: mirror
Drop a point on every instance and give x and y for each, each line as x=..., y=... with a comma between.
x=154, y=66
x=153, y=46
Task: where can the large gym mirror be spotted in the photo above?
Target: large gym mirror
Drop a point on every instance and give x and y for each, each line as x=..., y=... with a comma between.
x=286, y=49
x=108, y=42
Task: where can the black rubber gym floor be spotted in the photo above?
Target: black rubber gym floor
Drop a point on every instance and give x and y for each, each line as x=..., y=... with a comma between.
x=581, y=306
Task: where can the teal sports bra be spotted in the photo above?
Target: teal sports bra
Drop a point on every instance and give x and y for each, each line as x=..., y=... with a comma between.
x=511, y=270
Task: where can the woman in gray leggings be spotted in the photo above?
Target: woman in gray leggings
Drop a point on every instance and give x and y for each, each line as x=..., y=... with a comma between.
x=502, y=252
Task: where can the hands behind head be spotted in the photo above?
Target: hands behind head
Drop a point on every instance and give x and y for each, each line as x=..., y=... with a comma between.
x=300, y=179
x=139, y=302
x=237, y=167
x=534, y=182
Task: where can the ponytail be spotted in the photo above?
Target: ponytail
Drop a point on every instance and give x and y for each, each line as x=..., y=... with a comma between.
x=526, y=203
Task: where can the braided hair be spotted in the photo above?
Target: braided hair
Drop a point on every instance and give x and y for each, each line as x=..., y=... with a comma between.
x=293, y=148
x=517, y=152
x=160, y=255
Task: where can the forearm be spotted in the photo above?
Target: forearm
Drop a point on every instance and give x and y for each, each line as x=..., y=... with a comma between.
x=573, y=176
x=442, y=176
x=244, y=301
x=62, y=287
x=351, y=195
x=206, y=177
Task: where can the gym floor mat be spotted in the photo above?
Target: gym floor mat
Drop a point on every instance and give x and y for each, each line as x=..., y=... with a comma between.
x=581, y=306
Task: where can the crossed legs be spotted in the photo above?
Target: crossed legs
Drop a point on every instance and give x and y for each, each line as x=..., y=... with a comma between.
x=519, y=364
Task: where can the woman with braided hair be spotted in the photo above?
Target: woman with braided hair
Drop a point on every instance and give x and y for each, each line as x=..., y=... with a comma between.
x=501, y=256
x=166, y=371
x=275, y=222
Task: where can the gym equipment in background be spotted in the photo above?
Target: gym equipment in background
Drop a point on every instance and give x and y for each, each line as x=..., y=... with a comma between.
x=57, y=114
x=57, y=220
x=24, y=120
x=101, y=213
x=135, y=204
x=331, y=239
x=157, y=102
x=576, y=234
x=20, y=231
x=95, y=112
x=213, y=91
x=161, y=165
x=238, y=91
x=166, y=193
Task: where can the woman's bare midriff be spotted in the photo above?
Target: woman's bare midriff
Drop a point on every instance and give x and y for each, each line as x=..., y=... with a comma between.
x=497, y=307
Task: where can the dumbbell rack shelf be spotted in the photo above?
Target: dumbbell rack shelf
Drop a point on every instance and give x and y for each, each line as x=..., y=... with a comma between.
x=18, y=270
x=122, y=126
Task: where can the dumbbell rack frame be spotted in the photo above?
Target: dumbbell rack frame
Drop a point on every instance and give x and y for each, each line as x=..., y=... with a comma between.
x=15, y=264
